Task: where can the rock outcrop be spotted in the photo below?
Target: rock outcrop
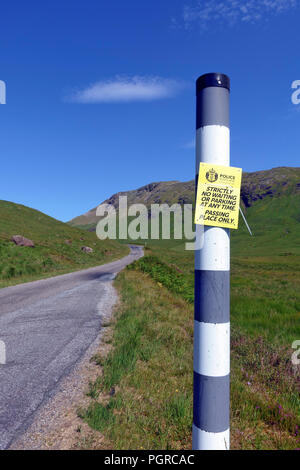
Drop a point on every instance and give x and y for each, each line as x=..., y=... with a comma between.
x=22, y=241
x=87, y=249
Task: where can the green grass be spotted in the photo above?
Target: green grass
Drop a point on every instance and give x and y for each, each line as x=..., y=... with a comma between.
x=264, y=395
x=265, y=290
x=156, y=292
x=167, y=275
x=57, y=246
x=265, y=298
x=149, y=366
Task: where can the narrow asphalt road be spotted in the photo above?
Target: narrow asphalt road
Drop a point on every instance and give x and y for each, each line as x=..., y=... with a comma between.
x=47, y=326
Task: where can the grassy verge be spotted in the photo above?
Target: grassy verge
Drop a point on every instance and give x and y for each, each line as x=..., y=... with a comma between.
x=143, y=398
x=148, y=368
x=265, y=402
x=170, y=276
x=22, y=264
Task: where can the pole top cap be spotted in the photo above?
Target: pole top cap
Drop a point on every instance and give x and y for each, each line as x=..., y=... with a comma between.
x=212, y=79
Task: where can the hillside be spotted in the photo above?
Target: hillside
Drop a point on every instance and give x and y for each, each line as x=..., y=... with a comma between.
x=270, y=198
x=272, y=204
x=167, y=192
x=57, y=245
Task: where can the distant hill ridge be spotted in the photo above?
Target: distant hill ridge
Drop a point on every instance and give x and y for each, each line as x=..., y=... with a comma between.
x=277, y=182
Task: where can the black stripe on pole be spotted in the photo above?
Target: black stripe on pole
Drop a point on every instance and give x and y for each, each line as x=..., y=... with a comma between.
x=215, y=391
x=212, y=107
x=212, y=302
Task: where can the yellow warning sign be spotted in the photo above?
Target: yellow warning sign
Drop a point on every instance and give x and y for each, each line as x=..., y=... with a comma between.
x=218, y=196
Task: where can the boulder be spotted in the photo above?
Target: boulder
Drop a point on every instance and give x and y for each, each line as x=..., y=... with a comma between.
x=22, y=241
x=87, y=249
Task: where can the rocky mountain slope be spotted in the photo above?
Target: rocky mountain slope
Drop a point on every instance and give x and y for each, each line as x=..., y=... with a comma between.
x=282, y=182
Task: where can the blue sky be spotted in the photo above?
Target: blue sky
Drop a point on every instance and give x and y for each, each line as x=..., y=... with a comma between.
x=101, y=95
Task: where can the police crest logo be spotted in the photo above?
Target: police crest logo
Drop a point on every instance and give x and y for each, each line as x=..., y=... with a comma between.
x=212, y=176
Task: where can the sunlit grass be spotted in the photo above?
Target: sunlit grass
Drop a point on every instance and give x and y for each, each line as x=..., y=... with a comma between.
x=152, y=407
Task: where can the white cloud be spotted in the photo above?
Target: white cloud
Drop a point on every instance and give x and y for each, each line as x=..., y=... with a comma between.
x=189, y=145
x=124, y=89
x=234, y=11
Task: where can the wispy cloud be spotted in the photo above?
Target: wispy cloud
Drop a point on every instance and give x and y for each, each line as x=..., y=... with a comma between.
x=233, y=11
x=127, y=89
x=191, y=144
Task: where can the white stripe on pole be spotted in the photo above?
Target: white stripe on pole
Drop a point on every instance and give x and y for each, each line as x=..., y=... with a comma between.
x=212, y=348
x=211, y=440
x=212, y=145
x=216, y=256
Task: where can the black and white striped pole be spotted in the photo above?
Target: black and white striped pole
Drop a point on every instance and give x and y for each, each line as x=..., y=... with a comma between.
x=212, y=279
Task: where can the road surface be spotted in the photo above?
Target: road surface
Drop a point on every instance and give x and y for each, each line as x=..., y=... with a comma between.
x=47, y=326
